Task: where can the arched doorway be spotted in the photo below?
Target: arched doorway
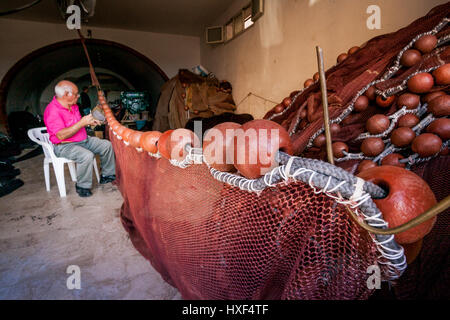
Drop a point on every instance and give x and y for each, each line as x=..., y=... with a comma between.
x=25, y=87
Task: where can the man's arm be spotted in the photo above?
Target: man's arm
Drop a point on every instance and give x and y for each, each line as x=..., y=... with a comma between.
x=70, y=131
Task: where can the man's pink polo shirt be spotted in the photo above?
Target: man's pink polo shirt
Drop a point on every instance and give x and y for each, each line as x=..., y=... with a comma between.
x=56, y=117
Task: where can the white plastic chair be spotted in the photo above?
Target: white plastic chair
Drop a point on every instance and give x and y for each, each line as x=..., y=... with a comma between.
x=40, y=136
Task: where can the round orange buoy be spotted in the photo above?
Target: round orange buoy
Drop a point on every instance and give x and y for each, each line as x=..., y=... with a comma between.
x=372, y=147
x=135, y=139
x=120, y=130
x=149, y=141
x=316, y=76
x=408, y=197
x=287, y=101
x=352, y=50
x=365, y=164
x=442, y=74
x=113, y=123
x=408, y=120
x=426, y=43
x=256, y=147
x=426, y=145
x=177, y=141
x=440, y=127
x=377, y=124
x=341, y=57
x=126, y=134
x=278, y=108
x=420, y=83
x=440, y=106
x=361, y=103
x=430, y=96
x=338, y=148
x=402, y=137
x=308, y=82
x=408, y=100
x=218, y=146
x=410, y=57
x=384, y=103
x=393, y=160
x=320, y=141
x=162, y=144
x=370, y=93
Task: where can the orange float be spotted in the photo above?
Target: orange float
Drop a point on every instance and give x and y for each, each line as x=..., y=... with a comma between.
x=256, y=146
x=408, y=197
x=126, y=134
x=120, y=130
x=162, y=145
x=218, y=146
x=149, y=141
x=442, y=74
x=420, y=83
x=135, y=138
x=365, y=164
x=177, y=141
x=384, y=103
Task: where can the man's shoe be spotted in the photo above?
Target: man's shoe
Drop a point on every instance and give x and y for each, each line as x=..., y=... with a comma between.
x=107, y=179
x=83, y=192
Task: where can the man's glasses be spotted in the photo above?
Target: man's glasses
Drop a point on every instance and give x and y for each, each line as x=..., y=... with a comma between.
x=77, y=94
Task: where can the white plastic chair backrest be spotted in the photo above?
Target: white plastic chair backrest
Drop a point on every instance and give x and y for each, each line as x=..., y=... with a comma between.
x=40, y=137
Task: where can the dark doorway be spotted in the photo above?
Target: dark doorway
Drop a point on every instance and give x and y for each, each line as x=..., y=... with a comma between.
x=28, y=85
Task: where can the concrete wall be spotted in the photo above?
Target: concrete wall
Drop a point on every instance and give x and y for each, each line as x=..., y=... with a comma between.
x=277, y=54
x=169, y=52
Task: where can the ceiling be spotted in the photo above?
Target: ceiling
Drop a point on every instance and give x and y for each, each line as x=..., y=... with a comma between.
x=183, y=17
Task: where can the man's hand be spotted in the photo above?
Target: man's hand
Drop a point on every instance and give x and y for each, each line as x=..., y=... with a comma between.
x=88, y=120
x=70, y=131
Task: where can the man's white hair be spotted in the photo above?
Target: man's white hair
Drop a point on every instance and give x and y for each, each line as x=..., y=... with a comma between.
x=60, y=90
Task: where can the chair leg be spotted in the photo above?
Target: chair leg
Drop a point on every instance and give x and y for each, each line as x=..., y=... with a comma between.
x=47, y=176
x=96, y=169
x=73, y=171
x=59, y=173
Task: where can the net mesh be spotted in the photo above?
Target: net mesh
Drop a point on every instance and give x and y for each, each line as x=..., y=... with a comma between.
x=215, y=241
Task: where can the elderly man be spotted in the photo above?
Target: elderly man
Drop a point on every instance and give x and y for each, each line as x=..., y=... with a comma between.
x=66, y=129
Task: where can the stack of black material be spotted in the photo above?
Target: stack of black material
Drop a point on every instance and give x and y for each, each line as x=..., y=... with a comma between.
x=8, y=174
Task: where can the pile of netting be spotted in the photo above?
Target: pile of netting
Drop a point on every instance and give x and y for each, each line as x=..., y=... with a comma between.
x=212, y=240
x=286, y=235
x=375, y=69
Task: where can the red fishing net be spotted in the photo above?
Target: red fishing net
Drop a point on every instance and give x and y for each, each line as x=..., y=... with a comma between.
x=214, y=241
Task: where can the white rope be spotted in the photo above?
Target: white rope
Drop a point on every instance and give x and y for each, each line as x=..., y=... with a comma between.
x=394, y=118
x=154, y=155
x=359, y=185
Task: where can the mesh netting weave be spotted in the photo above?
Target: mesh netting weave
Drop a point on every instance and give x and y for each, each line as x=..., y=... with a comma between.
x=214, y=241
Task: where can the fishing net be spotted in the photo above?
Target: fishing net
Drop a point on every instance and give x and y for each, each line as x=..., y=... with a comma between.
x=215, y=241
x=214, y=235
